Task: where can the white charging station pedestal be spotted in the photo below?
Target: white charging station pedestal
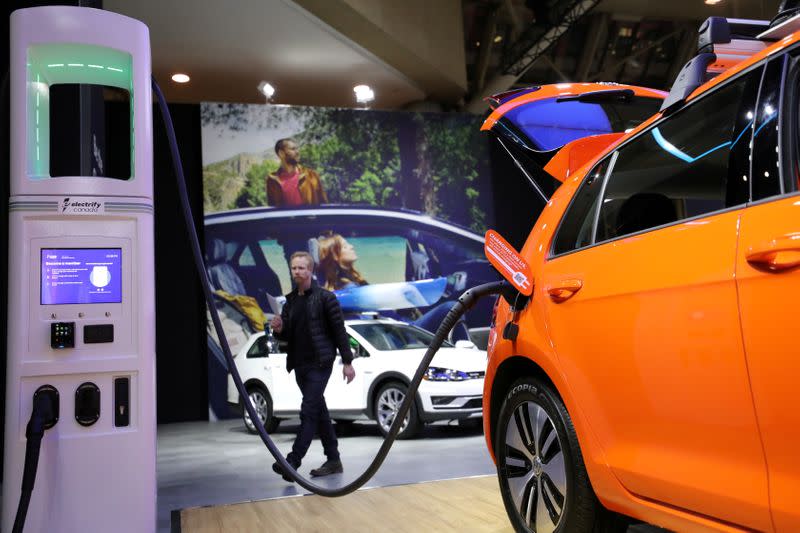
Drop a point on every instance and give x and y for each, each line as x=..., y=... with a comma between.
x=81, y=313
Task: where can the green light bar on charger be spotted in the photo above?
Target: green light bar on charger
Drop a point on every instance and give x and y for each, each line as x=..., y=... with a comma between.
x=72, y=63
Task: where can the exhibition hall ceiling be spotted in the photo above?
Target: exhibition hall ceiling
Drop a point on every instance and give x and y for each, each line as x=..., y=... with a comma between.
x=315, y=51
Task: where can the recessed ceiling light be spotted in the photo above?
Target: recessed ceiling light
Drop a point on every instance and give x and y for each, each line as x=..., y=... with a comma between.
x=266, y=89
x=713, y=2
x=498, y=38
x=364, y=94
x=180, y=78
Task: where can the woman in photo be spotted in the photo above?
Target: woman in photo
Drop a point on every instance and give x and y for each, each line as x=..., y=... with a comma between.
x=336, y=271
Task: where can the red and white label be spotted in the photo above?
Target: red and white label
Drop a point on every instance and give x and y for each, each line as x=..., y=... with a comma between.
x=508, y=262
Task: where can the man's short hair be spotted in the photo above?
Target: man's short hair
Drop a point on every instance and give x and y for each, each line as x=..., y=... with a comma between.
x=308, y=257
x=280, y=143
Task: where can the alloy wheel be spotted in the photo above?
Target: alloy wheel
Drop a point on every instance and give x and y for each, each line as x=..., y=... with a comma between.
x=536, y=471
x=260, y=403
x=389, y=403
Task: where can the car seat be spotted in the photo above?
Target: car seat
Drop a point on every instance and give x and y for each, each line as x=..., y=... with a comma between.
x=223, y=276
x=645, y=210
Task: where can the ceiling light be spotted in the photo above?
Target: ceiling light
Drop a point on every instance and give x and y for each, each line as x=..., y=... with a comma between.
x=266, y=89
x=180, y=78
x=713, y=2
x=364, y=94
x=498, y=38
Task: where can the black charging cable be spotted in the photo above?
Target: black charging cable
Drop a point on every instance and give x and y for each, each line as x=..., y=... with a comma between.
x=465, y=302
x=43, y=417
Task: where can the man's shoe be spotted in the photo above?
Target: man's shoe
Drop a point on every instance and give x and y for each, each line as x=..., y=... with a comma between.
x=328, y=467
x=276, y=467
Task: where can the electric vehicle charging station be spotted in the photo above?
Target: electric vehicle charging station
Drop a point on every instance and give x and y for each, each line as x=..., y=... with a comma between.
x=81, y=282
x=81, y=331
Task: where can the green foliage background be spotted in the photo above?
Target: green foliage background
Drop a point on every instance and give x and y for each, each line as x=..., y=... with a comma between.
x=443, y=170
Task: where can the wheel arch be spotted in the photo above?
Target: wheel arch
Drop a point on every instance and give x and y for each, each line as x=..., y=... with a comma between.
x=507, y=373
x=379, y=382
x=255, y=382
x=606, y=486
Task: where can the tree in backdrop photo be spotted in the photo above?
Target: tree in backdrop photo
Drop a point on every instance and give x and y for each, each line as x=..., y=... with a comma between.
x=432, y=163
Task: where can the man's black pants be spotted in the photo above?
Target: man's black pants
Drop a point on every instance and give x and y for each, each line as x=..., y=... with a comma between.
x=314, y=417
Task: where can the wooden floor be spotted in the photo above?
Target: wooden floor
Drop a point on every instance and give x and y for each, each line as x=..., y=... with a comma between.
x=467, y=504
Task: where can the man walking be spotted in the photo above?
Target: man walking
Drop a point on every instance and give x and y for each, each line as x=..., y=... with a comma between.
x=312, y=324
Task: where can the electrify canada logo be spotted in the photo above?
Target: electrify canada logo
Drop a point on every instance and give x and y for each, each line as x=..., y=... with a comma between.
x=69, y=206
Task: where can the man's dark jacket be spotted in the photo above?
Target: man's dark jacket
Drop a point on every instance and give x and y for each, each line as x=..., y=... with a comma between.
x=325, y=324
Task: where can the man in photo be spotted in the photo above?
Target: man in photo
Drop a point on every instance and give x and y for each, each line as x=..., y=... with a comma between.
x=293, y=184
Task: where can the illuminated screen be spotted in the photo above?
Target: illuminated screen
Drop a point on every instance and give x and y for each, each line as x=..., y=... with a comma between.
x=81, y=276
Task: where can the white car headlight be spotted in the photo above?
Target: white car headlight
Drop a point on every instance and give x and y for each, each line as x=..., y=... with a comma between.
x=436, y=373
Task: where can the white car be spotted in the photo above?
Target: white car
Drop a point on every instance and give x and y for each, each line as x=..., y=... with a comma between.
x=386, y=354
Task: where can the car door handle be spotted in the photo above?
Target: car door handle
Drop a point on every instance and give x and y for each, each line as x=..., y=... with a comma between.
x=564, y=290
x=775, y=256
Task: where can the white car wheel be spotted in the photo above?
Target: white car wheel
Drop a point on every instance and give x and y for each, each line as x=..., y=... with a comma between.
x=263, y=406
x=387, y=405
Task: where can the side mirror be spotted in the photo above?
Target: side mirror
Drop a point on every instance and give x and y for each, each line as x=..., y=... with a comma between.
x=357, y=349
x=466, y=344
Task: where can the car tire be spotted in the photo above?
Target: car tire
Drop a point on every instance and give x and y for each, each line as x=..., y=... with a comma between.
x=262, y=402
x=387, y=404
x=543, y=479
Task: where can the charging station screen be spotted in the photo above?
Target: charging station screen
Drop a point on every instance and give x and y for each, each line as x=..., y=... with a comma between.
x=81, y=276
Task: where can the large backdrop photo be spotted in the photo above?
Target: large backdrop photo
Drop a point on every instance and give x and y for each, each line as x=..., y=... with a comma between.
x=392, y=205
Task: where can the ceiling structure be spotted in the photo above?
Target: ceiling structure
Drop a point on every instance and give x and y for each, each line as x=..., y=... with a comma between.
x=421, y=54
x=641, y=42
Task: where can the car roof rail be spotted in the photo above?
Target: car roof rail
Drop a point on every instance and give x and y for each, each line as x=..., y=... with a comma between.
x=692, y=75
x=786, y=22
x=365, y=315
x=715, y=31
x=731, y=40
x=721, y=44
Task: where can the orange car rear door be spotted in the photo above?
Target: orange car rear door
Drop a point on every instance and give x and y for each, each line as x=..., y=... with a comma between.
x=643, y=312
x=768, y=279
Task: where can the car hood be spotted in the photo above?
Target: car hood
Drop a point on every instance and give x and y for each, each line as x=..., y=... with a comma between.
x=465, y=359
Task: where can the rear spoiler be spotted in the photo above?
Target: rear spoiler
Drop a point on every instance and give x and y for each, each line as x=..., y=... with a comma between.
x=574, y=155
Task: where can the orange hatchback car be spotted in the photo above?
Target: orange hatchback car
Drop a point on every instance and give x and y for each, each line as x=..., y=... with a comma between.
x=651, y=375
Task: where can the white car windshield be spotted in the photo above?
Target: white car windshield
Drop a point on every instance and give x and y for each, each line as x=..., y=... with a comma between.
x=395, y=336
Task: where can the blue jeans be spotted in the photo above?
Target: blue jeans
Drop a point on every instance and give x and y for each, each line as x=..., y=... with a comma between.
x=314, y=417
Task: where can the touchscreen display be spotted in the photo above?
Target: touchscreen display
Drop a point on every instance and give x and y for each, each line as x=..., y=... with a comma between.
x=81, y=276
